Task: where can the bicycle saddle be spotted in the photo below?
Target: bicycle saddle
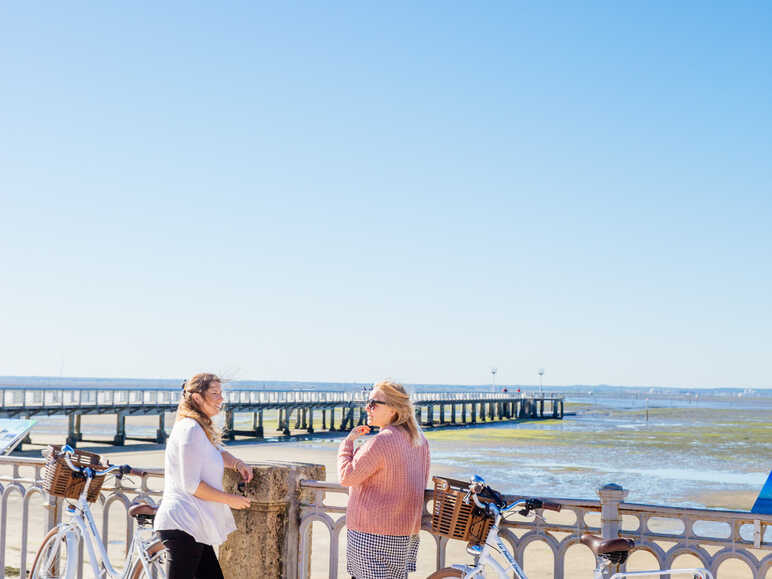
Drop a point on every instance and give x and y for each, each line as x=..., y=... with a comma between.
x=142, y=510
x=601, y=546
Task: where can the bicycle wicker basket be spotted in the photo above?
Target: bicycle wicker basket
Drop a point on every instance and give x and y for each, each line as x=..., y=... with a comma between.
x=452, y=518
x=60, y=480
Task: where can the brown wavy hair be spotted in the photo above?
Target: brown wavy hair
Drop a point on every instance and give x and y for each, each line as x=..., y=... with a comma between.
x=189, y=408
x=404, y=411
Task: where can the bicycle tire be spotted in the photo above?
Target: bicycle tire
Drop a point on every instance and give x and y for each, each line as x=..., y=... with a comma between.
x=56, y=571
x=157, y=566
x=446, y=572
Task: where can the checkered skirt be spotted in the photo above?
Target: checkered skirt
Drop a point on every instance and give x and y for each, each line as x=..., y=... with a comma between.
x=372, y=556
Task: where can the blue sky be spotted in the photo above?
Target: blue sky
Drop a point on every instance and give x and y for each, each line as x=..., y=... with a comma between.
x=350, y=191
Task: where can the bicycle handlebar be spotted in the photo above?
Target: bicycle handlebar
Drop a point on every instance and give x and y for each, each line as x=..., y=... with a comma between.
x=499, y=506
x=67, y=452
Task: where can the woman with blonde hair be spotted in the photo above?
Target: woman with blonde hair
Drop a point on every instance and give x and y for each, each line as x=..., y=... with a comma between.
x=387, y=476
x=194, y=515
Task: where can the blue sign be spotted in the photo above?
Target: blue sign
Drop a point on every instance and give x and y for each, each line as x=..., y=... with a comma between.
x=12, y=431
x=763, y=505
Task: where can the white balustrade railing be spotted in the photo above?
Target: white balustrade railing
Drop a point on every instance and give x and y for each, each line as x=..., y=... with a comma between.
x=712, y=536
x=749, y=541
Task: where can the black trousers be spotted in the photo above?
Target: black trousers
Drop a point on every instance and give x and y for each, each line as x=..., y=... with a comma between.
x=188, y=559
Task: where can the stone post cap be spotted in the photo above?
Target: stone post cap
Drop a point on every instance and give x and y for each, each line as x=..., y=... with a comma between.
x=274, y=482
x=613, y=491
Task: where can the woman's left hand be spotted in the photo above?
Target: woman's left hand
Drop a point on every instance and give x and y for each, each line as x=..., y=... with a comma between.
x=245, y=472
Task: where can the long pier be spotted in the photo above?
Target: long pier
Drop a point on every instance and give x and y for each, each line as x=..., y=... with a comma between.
x=339, y=411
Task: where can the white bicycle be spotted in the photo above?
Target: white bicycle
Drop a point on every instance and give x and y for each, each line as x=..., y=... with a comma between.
x=58, y=556
x=607, y=551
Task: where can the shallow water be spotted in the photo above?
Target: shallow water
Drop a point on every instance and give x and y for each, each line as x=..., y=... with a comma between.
x=681, y=452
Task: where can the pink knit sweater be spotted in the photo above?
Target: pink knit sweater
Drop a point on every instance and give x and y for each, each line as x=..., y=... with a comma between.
x=387, y=476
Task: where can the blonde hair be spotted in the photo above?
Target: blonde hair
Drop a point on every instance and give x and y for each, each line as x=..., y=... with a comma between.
x=189, y=408
x=404, y=412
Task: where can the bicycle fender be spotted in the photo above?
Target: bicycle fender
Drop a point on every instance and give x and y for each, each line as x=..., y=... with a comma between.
x=465, y=569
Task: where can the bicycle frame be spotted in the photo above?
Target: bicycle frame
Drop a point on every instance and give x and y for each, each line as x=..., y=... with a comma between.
x=485, y=556
x=82, y=525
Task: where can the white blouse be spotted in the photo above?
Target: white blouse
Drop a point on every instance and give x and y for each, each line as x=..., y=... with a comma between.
x=190, y=459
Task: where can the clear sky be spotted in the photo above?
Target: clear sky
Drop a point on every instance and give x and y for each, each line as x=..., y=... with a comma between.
x=422, y=190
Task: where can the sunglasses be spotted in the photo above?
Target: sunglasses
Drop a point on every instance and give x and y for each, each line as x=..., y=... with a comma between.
x=371, y=404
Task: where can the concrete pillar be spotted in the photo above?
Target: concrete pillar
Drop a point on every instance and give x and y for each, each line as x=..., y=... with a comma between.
x=453, y=413
x=160, y=433
x=442, y=413
x=474, y=413
x=310, y=424
x=72, y=439
x=120, y=429
x=228, y=433
x=287, y=418
x=259, y=430
x=265, y=544
x=26, y=439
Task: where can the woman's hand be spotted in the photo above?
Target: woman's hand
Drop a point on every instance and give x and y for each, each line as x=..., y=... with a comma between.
x=358, y=431
x=245, y=472
x=237, y=502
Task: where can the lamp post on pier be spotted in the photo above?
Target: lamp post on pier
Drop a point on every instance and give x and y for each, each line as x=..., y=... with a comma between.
x=493, y=379
x=541, y=373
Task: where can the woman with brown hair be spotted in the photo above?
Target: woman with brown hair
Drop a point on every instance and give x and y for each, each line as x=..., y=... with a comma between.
x=387, y=475
x=194, y=515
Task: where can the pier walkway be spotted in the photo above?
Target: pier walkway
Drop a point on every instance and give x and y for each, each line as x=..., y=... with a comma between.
x=339, y=411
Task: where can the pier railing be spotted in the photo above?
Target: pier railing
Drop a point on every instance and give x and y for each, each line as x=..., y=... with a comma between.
x=713, y=537
x=35, y=398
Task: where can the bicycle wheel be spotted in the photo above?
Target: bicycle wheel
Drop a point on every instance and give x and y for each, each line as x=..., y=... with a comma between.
x=446, y=572
x=156, y=552
x=57, y=557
